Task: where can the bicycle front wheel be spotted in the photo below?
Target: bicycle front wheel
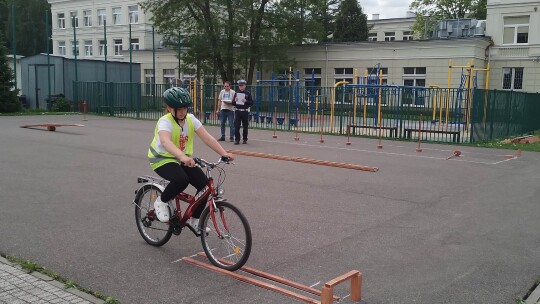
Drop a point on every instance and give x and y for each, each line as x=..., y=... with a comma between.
x=228, y=243
x=151, y=229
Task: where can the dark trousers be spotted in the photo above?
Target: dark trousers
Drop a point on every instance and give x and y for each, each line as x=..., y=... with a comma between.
x=241, y=118
x=179, y=178
x=225, y=115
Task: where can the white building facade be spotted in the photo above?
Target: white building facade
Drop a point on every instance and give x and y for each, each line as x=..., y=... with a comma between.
x=92, y=40
x=513, y=54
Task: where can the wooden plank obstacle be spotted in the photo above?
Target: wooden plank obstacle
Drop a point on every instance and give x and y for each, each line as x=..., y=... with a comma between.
x=51, y=126
x=326, y=294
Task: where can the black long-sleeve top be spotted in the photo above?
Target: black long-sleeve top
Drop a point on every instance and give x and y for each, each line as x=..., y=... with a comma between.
x=248, y=103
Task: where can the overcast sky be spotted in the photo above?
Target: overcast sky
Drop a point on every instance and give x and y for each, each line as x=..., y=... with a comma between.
x=386, y=8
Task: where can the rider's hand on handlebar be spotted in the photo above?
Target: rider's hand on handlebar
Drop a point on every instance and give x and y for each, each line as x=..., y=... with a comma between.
x=188, y=161
x=227, y=157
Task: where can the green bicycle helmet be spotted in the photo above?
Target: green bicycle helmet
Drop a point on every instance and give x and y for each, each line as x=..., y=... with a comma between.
x=177, y=98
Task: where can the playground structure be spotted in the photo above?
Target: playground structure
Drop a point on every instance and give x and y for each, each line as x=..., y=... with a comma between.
x=366, y=106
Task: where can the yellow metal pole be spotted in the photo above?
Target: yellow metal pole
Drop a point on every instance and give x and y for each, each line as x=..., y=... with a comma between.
x=486, y=94
x=448, y=94
x=487, y=70
x=436, y=87
x=290, y=75
x=379, y=114
x=355, y=98
x=290, y=95
x=316, y=104
x=469, y=98
x=194, y=96
x=202, y=101
x=365, y=98
x=332, y=103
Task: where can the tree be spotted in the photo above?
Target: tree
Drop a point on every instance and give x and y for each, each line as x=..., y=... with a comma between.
x=325, y=14
x=351, y=22
x=479, y=10
x=9, y=102
x=224, y=36
x=303, y=21
x=30, y=25
x=211, y=29
x=428, y=12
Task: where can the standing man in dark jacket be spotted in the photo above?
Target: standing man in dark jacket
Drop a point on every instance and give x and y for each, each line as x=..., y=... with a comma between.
x=242, y=101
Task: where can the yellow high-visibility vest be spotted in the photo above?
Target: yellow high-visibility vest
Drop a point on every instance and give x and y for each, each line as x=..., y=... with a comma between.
x=158, y=159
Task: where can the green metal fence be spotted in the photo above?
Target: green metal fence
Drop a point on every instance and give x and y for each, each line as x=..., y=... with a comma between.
x=434, y=114
x=498, y=114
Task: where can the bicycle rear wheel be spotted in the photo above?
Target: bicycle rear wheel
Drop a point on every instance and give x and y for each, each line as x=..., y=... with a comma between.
x=231, y=248
x=151, y=229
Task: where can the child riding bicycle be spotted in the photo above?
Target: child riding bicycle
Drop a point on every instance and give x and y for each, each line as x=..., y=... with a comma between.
x=171, y=150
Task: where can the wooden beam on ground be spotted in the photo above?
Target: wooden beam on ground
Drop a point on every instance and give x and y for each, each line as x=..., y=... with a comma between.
x=305, y=160
x=251, y=281
x=275, y=278
x=356, y=286
x=51, y=126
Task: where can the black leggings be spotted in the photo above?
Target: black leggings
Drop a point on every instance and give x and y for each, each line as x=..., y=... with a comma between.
x=179, y=178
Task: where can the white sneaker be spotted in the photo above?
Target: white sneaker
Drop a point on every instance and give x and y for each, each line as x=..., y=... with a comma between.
x=194, y=222
x=162, y=210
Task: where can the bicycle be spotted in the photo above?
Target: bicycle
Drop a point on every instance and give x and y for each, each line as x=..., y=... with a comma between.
x=227, y=244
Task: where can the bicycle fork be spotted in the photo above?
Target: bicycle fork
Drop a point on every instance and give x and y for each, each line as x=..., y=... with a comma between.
x=213, y=209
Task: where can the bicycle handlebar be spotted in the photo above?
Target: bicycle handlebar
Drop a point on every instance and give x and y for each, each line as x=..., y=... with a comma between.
x=203, y=163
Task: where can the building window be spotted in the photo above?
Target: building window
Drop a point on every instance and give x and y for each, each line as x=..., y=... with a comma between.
x=343, y=74
x=62, y=47
x=512, y=78
x=373, y=71
x=61, y=20
x=135, y=44
x=168, y=76
x=343, y=71
x=372, y=37
x=101, y=47
x=408, y=35
x=373, y=76
x=133, y=14
x=418, y=71
x=102, y=16
x=88, y=48
x=117, y=15
x=74, y=19
x=414, y=77
x=149, y=80
x=75, y=47
x=516, y=30
x=389, y=36
x=118, y=47
x=308, y=73
x=87, y=18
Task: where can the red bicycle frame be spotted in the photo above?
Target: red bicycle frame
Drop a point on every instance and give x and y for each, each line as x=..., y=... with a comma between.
x=193, y=203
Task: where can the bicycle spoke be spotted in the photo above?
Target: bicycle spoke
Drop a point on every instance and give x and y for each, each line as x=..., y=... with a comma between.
x=230, y=249
x=153, y=231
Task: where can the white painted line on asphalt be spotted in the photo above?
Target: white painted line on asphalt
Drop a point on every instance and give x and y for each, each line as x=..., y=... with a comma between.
x=313, y=285
x=180, y=259
x=381, y=152
x=502, y=161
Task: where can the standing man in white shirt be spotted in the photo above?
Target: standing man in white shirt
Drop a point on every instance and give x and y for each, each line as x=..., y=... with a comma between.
x=226, y=110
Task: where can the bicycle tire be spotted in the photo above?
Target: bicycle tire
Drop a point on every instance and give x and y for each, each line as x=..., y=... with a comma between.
x=151, y=229
x=231, y=251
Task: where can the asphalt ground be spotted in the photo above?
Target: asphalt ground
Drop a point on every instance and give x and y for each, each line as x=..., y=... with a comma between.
x=423, y=229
